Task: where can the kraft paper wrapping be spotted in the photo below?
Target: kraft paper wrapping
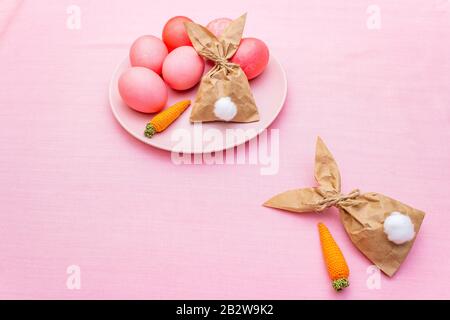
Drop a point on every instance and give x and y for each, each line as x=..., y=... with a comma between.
x=362, y=215
x=225, y=79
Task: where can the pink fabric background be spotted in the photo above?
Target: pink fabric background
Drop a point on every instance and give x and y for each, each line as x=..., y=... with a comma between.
x=75, y=188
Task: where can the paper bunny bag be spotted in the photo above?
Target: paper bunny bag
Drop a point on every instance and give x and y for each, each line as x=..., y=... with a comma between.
x=367, y=217
x=224, y=93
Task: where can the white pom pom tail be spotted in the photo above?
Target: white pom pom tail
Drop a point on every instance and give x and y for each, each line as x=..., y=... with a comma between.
x=225, y=109
x=399, y=228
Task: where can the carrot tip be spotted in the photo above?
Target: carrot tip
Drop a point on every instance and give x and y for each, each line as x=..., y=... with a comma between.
x=340, y=284
x=149, y=130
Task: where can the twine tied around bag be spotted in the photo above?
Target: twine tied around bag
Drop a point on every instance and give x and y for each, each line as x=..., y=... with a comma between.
x=336, y=199
x=222, y=63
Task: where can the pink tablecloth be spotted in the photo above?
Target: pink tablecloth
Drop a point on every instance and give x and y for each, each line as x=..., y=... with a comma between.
x=76, y=189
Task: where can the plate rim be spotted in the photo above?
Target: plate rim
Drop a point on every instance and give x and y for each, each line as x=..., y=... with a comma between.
x=149, y=141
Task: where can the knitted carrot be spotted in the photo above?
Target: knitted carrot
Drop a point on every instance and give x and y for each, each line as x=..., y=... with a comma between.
x=165, y=118
x=336, y=265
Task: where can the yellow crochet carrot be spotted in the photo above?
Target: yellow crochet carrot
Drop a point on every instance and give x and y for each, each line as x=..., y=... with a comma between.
x=165, y=118
x=336, y=265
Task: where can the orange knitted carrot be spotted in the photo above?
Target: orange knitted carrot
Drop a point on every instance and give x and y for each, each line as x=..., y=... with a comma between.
x=336, y=265
x=165, y=118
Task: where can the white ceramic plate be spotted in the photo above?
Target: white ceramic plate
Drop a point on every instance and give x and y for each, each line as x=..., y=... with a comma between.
x=269, y=90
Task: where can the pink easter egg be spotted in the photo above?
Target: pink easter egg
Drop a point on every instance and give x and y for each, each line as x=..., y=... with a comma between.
x=183, y=68
x=174, y=33
x=143, y=90
x=253, y=57
x=217, y=26
x=148, y=52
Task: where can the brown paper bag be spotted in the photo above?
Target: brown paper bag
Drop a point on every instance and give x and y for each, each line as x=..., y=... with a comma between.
x=363, y=215
x=224, y=93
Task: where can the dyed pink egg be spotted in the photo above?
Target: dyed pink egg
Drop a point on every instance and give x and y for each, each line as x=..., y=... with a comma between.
x=183, y=68
x=253, y=57
x=143, y=90
x=217, y=26
x=174, y=33
x=148, y=52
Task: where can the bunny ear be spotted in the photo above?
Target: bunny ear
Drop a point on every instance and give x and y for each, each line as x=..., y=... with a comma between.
x=326, y=170
x=298, y=200
x=232, y=35
x=204, y=42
